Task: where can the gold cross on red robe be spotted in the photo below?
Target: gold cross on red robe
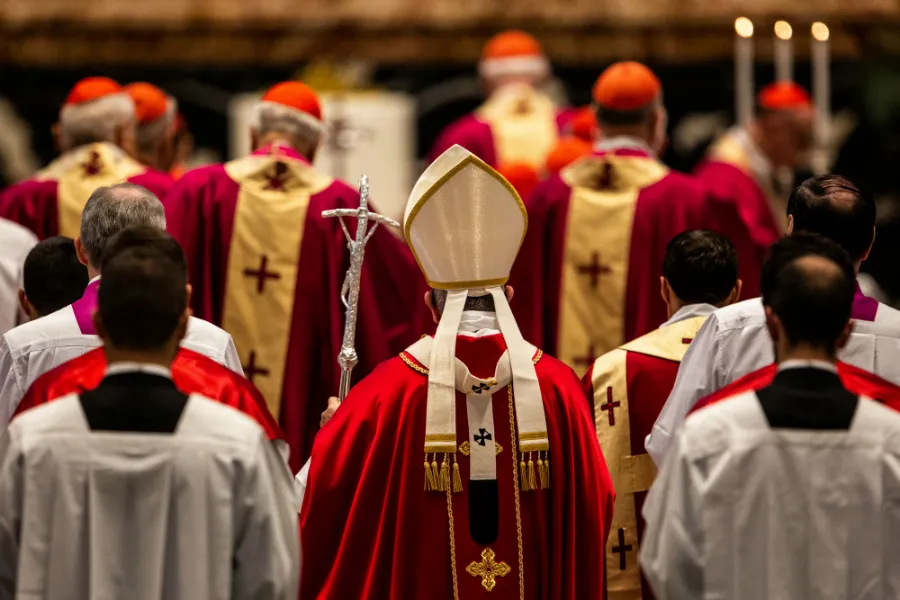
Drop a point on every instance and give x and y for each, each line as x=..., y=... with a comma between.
x=488, y=570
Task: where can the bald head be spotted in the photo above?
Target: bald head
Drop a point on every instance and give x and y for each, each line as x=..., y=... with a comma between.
x=832, y=206
x=114, y=208
x=809, y=284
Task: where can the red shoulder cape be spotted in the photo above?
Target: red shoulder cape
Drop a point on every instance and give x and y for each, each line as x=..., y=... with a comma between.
x=861, y=383
x=192, y=373
x=377, y=534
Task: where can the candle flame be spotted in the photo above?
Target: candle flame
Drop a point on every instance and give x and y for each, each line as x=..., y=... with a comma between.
x=820, y=31
x=783, y=30
x=743, y=27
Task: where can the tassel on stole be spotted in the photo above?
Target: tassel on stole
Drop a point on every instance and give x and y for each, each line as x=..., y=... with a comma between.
x=523, y=476
x=430, y=483
x=532, y=480
x=457, y=479
x=445, y=475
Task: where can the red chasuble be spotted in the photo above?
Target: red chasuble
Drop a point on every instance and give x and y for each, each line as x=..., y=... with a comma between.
x=628, y=387
x=50, y=203
x=859, y=382
x=373, y=532
x=266, y=267
x=192, y=373
x=519, y=127
x=732, y=171
x=588, y=273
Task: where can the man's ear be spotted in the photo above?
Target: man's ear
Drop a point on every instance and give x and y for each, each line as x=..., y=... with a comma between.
x=27, y=307
x=869, y=249
x=429, y=302
x=773, y=324
x=664, y=290
x=80, y=252
x=98, y=325
x=845, y=335
x=189, y=291
x=790, y=225
x=510, y=292
x=735, y=293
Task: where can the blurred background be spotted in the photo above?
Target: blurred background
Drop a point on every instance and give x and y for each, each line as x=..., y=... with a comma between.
x=396, y=72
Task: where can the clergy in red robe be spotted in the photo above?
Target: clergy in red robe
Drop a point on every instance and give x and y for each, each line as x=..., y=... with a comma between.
x=268, y=268
x=743, y=167
x=156, y=113
x=468, y=466
x=629, y=386
x=96, y=132
x=192, y=373
x=518, y=124
x=590, y=266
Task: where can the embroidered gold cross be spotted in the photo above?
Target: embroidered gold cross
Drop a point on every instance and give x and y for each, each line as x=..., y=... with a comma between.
x=488, y=570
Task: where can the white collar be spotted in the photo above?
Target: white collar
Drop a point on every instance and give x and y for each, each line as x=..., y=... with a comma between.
x=759, y=163
x=97, y=278
x=134, y=367
x=477, y=323
x=808, y=364
x=621, y=142
x=690, y=311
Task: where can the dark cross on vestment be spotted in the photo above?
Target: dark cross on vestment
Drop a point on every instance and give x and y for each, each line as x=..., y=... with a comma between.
x=261, y=274
x=594, y=270
x=93, y=166
x=481, y=437
x=585, y=361
x=622, y=549
x=276, y=178
x=610, y=406
x=481, y=387
x=251, y=370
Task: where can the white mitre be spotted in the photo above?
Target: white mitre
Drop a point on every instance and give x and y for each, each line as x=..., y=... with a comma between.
x=465, y=224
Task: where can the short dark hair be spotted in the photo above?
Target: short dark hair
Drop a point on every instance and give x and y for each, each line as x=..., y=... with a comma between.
x=52, y=275
x=831, y=205
x=482, y=303
x=813, y=301
x=701, y=266
x=143, y=291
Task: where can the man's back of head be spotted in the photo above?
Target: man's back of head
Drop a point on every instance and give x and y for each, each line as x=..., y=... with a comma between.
x=808, y=285
x=700, y=267
x=112, y=209
x=832, y=206
x=53, y=277
x=144, y=295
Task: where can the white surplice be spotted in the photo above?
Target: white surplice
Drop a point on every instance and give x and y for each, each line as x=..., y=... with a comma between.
x=734, y=341
x=741, y=511
x=30, y=350
x=15, y=244
x=204, y=513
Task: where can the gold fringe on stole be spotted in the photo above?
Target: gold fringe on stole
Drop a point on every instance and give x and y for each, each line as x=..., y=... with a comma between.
x=532, y=480
x=435, y=473
x=457, y=480
x=523, y=475
x=445, y=474
x=430, y=483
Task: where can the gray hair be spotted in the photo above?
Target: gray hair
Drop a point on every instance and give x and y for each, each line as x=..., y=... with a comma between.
x=110, y=209
x=151, y=135
x=303, y=129
x=95, y=121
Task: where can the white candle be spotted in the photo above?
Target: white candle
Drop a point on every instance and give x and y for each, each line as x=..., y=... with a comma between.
x=821, y=83
x=784, y=51
x=743, y=70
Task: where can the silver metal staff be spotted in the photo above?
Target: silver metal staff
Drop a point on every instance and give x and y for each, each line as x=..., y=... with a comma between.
x=350, y=290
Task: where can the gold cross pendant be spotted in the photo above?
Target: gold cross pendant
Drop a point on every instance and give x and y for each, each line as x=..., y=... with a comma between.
x=488, y=570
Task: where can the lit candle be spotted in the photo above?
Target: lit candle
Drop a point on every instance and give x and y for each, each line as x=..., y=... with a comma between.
x=743, y=70
x=821, y=80
x=784, y=52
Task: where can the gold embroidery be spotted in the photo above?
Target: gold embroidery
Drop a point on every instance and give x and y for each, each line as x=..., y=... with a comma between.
x=513, y=452
x=440, y=437
x=452, y=546
x=412, y=365
x=488, y=570
x=465, y=449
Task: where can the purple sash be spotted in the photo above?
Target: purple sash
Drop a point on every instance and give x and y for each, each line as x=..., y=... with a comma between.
x=864, y=308
x=84, y=308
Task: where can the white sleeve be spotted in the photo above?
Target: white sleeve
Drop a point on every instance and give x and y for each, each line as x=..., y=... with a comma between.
x=267, y=546
x=300, y=483
x=10, y=513
x=10, y=387
x=672, y=546
x=699, y=375
x=232, y=359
